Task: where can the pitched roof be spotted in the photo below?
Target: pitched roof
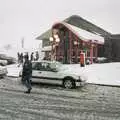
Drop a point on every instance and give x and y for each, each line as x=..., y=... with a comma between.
x=86, y=36
x=45, y=35
x=78, y=22
x=85, y=25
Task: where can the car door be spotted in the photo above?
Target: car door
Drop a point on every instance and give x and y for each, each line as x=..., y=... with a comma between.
x=42, y=72
x=51, y=75
x=37, y=71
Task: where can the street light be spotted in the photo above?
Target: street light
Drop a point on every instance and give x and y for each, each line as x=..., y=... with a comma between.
x=55, y=36
x=91, y=50
x=54, y=42
x=75, y=42
x=76, y=50
x=51, y=39
x=57, y=40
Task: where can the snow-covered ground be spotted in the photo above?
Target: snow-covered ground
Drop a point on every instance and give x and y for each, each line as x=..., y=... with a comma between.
x=105, y=74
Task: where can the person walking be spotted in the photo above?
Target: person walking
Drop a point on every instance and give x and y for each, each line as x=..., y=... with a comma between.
x=27, y=73
x=32, y=56
x=21, y=58
x=18, y=57
x=37, y=55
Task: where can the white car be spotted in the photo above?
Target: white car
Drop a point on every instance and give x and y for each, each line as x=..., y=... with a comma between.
x=3, y=71
x=14, y=70
x=3, y=62
x=55, y=73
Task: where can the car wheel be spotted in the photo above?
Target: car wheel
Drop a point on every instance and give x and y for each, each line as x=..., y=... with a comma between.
x=69, y=83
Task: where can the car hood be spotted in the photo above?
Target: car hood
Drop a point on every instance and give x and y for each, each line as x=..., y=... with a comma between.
x=69, y=71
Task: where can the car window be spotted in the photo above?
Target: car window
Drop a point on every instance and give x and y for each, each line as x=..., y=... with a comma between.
x=52, y=65
x=35, y=66
x=46, y=66
x=42, y=66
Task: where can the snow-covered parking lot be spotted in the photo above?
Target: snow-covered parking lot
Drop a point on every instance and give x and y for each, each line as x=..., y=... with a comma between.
x=104, y=74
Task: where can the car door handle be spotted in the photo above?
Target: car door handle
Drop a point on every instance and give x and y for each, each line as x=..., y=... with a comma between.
x=40, y=72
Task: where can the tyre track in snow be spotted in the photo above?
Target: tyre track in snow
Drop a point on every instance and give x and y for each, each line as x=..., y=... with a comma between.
x=94, y=102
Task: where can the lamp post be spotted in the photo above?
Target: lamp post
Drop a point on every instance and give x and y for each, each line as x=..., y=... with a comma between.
x=76, y=47
x=91, y=51
x=51, y=41
x=54, y=42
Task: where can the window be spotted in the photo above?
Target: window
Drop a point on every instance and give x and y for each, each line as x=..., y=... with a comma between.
x=43, y=66
x=37, y=66
x=34, y=66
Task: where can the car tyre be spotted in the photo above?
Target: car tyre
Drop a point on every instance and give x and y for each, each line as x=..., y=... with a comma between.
x=68, y=83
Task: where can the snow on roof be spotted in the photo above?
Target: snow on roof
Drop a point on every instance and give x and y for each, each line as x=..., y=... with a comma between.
x=85, y=35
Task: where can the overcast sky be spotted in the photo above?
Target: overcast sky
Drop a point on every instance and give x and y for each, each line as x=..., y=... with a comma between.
x=30, y=18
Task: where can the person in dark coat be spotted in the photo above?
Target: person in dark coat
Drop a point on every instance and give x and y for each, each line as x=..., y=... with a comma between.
x=37, y=55
x=32, y=57
x=18, y=57
x=21, y=58
x=27, y=73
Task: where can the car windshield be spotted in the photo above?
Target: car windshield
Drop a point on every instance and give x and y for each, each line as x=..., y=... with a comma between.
x=56, y=65
x=52, y=65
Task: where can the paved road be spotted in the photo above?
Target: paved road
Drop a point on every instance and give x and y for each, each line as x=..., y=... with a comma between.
x=47, y=102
